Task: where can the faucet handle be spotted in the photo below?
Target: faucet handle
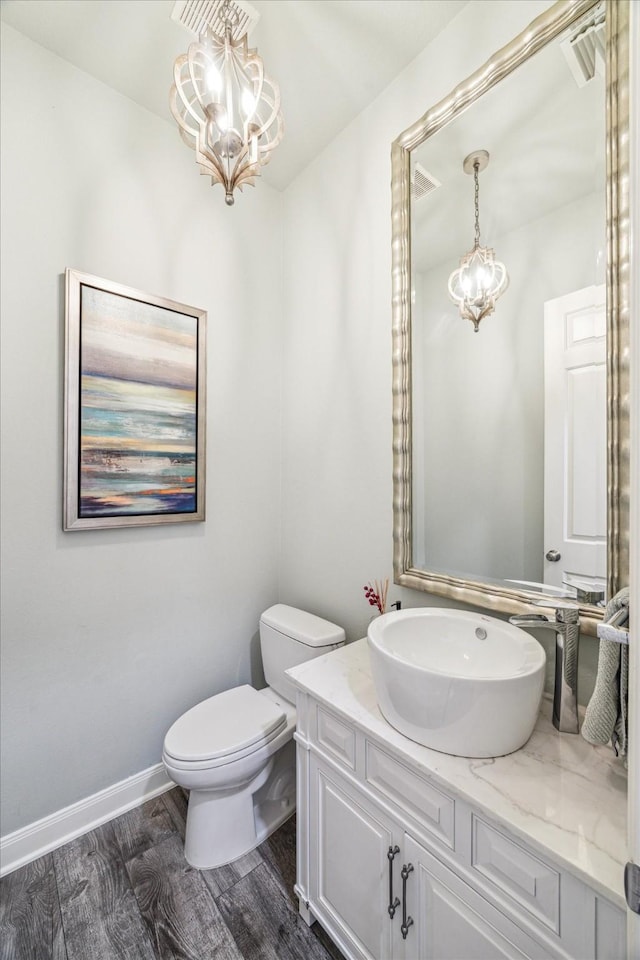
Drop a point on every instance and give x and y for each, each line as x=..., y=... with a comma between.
x=557, y=603
x=519, y=619
x=567, y=611
x=561, y=602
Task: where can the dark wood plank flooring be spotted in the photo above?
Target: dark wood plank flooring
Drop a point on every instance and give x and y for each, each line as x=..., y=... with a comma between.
x=125, y=892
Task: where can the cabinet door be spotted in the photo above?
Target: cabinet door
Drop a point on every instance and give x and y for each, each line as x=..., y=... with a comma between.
x=349, y=881
x=451, y=921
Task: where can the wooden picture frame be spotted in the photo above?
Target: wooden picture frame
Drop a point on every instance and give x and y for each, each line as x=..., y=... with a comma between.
x=134, y=407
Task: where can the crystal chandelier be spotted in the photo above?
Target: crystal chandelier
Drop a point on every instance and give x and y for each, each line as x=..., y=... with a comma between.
x=226, y=107
x=480, y=279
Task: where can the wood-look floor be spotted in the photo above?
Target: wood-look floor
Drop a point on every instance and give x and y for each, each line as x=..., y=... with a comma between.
x=125, y=892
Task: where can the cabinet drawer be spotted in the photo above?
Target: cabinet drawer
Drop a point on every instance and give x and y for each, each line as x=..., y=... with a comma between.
x=414, y=794
x=516, y=872
x=336, y=738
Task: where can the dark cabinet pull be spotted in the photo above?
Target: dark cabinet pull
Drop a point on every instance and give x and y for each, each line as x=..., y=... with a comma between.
x=406, y=921
x=393, y=902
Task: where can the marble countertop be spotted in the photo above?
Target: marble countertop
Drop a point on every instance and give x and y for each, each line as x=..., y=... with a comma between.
x=558, y=792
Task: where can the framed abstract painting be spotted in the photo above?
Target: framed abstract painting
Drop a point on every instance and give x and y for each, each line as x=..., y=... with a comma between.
x=134, y=407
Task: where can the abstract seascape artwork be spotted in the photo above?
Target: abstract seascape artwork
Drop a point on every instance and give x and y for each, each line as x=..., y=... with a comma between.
x=134, y=407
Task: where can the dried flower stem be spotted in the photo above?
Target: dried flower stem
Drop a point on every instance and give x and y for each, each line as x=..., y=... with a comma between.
x=376, y=593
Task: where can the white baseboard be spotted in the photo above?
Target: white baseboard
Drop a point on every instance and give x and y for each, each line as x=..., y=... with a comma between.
x=58, y=828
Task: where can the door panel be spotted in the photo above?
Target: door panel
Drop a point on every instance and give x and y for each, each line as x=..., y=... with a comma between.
x=575, y=467
x=350, y=883
x=452, y=921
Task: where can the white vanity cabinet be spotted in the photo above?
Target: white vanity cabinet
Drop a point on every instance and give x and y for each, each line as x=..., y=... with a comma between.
x=358, y=856
x=471, y=890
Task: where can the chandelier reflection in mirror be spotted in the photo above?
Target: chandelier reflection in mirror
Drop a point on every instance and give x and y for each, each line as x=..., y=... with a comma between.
x=480, y=279
x=226, y=107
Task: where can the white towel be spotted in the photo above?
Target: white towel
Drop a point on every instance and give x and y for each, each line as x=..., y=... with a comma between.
x=606, y=715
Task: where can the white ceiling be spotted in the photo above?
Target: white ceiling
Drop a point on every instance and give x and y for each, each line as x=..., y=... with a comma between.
x=330, y=57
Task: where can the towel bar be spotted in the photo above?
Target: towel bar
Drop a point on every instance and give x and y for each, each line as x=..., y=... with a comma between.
x=606, y=632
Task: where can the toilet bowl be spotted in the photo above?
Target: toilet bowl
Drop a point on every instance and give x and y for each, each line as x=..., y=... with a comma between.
x=234, y=751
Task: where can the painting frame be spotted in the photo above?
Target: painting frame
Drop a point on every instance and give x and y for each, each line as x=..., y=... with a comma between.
x=114, y=384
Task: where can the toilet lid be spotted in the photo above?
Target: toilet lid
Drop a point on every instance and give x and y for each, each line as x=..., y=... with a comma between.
x=225, y=724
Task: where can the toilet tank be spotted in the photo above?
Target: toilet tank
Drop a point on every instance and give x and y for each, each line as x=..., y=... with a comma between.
x=288, y=637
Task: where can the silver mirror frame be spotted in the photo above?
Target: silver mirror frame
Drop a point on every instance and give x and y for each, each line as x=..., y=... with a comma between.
x=492, y=595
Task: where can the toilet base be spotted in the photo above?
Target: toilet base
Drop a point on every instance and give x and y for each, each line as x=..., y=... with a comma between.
x=221, y=827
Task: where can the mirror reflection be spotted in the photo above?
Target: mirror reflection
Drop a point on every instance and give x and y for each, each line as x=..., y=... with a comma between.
x=509, y=446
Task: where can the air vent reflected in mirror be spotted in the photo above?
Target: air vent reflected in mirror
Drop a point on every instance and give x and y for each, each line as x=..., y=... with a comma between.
x=422, y=183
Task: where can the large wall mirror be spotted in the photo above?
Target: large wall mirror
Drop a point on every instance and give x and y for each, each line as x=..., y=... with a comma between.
x=511, y=461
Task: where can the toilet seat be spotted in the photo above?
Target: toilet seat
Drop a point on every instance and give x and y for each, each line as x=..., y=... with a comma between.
x=224, y=728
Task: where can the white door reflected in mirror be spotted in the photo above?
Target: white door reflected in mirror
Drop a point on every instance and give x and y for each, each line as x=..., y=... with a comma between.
x=575, y=438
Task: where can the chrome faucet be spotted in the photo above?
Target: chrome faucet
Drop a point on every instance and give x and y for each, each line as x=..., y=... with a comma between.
x=565, y=691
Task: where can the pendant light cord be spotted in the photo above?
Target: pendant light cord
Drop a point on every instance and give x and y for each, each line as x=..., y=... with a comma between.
x=476, y=181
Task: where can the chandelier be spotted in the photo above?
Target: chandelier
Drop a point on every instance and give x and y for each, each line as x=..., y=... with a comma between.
x=480, y=279
x=226, y=107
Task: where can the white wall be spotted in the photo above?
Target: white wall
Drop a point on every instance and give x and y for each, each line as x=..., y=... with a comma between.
x=337, y=530
x=108, y=636
x=337, y=483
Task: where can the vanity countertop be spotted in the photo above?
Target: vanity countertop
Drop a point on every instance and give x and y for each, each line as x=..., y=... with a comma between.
x=558, y=792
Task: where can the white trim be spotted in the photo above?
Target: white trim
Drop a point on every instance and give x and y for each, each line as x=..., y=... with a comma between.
x=58, y=828
x=633, y=821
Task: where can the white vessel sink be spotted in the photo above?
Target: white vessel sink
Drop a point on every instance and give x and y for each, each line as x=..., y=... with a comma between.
x=462, y=683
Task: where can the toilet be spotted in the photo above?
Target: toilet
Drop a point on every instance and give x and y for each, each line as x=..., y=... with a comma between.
x=235, y=751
